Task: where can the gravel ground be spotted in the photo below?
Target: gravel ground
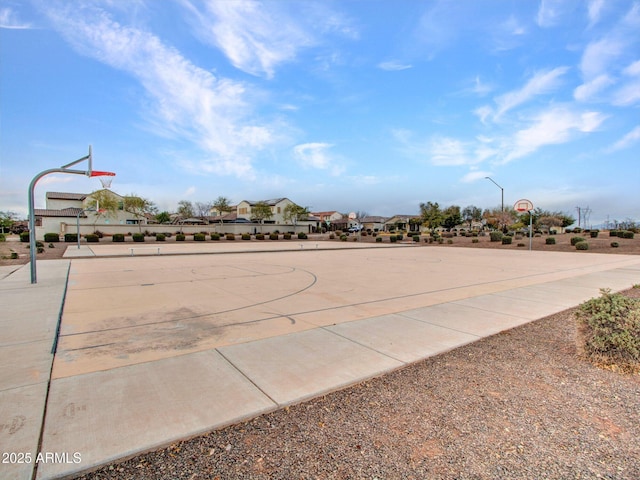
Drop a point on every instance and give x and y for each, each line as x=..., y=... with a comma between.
x=520, y=404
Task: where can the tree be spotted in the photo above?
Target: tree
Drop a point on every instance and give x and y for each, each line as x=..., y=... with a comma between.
x=104, y=203
x=203, y=209
x=7, y=219
x=138, y=207
x=260, y=212
x=498, y=219
x=163, y=217
x=451, y=217
x=431, y=215
x=293, y=213
x=360, y=214
x=222, y=206
x=185, y=209
x=472, y=214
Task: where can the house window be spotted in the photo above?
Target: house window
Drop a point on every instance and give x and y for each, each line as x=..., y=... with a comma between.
x=120, y=205
x=278, y=209
x=242, y=211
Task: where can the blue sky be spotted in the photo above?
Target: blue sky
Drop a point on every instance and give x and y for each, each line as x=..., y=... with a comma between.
x=368, y=105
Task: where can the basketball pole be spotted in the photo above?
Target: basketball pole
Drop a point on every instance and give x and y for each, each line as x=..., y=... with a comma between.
x=32, y=220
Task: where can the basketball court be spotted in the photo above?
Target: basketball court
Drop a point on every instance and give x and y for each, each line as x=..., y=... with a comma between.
x=154, y=348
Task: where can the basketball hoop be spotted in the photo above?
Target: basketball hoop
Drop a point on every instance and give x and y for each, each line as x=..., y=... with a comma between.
x=105, y=177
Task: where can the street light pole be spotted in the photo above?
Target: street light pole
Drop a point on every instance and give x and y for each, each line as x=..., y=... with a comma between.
x=501, y=190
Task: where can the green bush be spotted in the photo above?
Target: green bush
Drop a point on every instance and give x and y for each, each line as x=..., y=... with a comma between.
x=273, y=236
x=160, y=237
x=613, y=233
x=24, y=237
x=259, y=236
x=609, y=330
x=449, y=241
x=14, y=255
x=550, y=241
x=475, y=240
x=577, y=230
x=230, y=236
x=180, y=237
x=215, y=236
x=399, y=236
x=70, y=237
x=286, y=236
x=582, y=246
x=440, y=240
x=393, y=238
x=92, y=238
x=615, y=244
x=51, y=237
x=575, y=240
x=3, y=238
x=506, y=240
x=199, y=237
x=626, y=234
x=302, y=236
x=522, y=244
x=416, y=238
x=246, y=236
x=496, y=236
x=378, y=239
x=594, y=233
x=118, y=237
x=51, y=245
x=343, y=238
x=138, y=237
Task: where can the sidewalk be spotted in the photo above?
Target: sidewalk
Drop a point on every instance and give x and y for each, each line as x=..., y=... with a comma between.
x=157, y=349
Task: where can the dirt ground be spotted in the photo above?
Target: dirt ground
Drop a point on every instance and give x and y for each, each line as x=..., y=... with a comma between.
x=601, y=244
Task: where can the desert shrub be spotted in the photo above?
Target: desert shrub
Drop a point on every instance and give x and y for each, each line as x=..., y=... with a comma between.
x=215, y=236
x=378, y=239
x=160, y=237
x=550, y=240
x=138, y=237
x=582, y=246
x=575, y=240
x=24, y=237
x=449, y=241
x=273, y=236
x=51, y=245
x=496, y=236
x=92, y=238
x=577, y=230
x=286, y=236
x=230, y=236
x=609, y=330
x=3, y=238
x=440, y=240
x=14, y=255
x=594, y=233
x=519, y=236
x=475, y=240
x=522, y=244
x=302, y=236
x=393, y=238
x=118, y=237
x=363, y=233
x=474, y=233
x=180, y=237
x=51, y=237
x=167, y=234
x=343, y=237
x=416, y=238
x=613, y=233
x=399, y=236
x=70, y=237
x=246, y=236
x=506, y=240
x=259, y=236
x=332, y=236
x=199, y=237
x=627, y=234
x=615, y=244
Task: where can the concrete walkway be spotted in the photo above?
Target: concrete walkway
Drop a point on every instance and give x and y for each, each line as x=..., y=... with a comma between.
x=154, y=349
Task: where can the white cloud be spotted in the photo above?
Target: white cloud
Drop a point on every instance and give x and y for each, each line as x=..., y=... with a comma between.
x=541, y=83
x=393, y=66
x=445, y=151
x=555, y=126
x=589, y=90
x=598, y=56
x=9, y=19
x=628, y=140
x=629, y=92
x=474, y=176
x=316, y=155
x=595, y=10
x=187, y=102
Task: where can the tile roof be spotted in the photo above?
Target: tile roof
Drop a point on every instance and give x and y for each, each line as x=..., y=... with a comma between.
x=65, y=212
x=66, y=196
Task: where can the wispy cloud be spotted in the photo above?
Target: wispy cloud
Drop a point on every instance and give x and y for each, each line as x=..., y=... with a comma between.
x=474, y=176
x=9, y=19
x=595, y=10
x=554, y=126
x=316, y=155
x=394, y=65
x=187, y=102
x=541, y=83
x=627, y=141
x=590, y=90
x=255, y=38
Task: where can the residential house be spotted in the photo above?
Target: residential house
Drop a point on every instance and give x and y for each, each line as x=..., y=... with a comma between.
x=410, y=223
x=331, y=220
x=373, y=223
x=278, y=206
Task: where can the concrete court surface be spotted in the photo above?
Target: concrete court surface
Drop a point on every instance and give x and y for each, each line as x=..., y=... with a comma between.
x=153, y=349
